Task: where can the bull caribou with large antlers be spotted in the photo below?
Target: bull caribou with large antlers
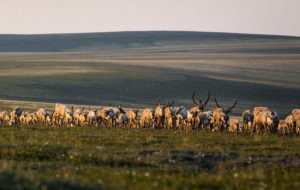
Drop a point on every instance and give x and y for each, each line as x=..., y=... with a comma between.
x=199, y=106
x=198, y=110
x=221, y=117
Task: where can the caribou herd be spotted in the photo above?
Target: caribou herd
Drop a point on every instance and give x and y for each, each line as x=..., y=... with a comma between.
x=168, y=116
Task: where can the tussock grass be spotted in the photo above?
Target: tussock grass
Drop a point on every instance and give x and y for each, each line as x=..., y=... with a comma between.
x=89, y=157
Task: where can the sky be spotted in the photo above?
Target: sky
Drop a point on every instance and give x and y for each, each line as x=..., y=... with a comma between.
x=280, y=17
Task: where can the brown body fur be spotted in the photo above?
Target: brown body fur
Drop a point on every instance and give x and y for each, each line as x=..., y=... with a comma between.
x=234, y=126
x=132, y=117
x=146, y=118
x=247, y=118
x=42, y=114
x=296, y=118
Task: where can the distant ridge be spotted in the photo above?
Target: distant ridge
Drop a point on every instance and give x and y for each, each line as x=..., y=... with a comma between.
x=124, y=40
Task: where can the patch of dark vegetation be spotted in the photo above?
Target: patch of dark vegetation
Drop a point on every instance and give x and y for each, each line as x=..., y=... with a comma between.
x=10, y=180
x=33, y=152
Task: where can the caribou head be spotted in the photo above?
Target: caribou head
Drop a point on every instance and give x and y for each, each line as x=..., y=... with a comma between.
x=121, y=109
x=200, y=105
x=224, y=112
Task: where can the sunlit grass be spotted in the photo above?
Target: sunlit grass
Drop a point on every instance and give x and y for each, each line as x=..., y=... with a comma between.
x=90, y=157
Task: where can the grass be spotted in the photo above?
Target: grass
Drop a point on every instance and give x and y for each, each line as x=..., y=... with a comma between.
x=91, y=158
x=134, y=68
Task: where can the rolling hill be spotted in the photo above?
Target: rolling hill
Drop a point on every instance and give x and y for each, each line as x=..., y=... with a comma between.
x=133, y=68
x=125, y=40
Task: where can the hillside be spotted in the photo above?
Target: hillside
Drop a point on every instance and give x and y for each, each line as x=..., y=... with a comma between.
x=133, y=68
x=124, y=40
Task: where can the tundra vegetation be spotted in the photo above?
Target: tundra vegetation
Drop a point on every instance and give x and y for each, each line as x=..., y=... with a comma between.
x=39, y=157
x=94, y=153
x=113, y=148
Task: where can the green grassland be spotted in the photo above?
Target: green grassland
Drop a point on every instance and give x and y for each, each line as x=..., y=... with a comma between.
x=91, y=158
x=132, y=69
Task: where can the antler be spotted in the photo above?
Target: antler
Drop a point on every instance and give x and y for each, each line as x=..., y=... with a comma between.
x=229, y=110
x=217, y=103
x=171, y=103
x=206, y=101
x=193, y=98
x=157, y=101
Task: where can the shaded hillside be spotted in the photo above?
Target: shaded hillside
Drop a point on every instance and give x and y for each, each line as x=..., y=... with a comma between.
x=125, y=40
x=133, y=68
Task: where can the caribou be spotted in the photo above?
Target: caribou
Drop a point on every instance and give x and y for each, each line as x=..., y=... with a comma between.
x=15, y=115
x=234, y=126
x=265, y=120
x=42, y=115
x=159, y=115
x=146, y=117
x=62, y=115
x=205, y=120
x=221, y=117
x=170, y=115
x=283, y=127
x=296, y=119
x=198, y=110
x=91, y=117
x=78, y=119
x=290, y=123
x=132, y=117
x=113, y=114
x=247, y=118
x=102, y=116
x=5, y=117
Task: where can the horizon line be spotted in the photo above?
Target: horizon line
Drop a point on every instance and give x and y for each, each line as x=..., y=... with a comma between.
x=123, y=31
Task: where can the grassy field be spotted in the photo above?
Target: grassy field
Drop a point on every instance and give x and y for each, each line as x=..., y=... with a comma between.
x=132, y=69
x=90, y=158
